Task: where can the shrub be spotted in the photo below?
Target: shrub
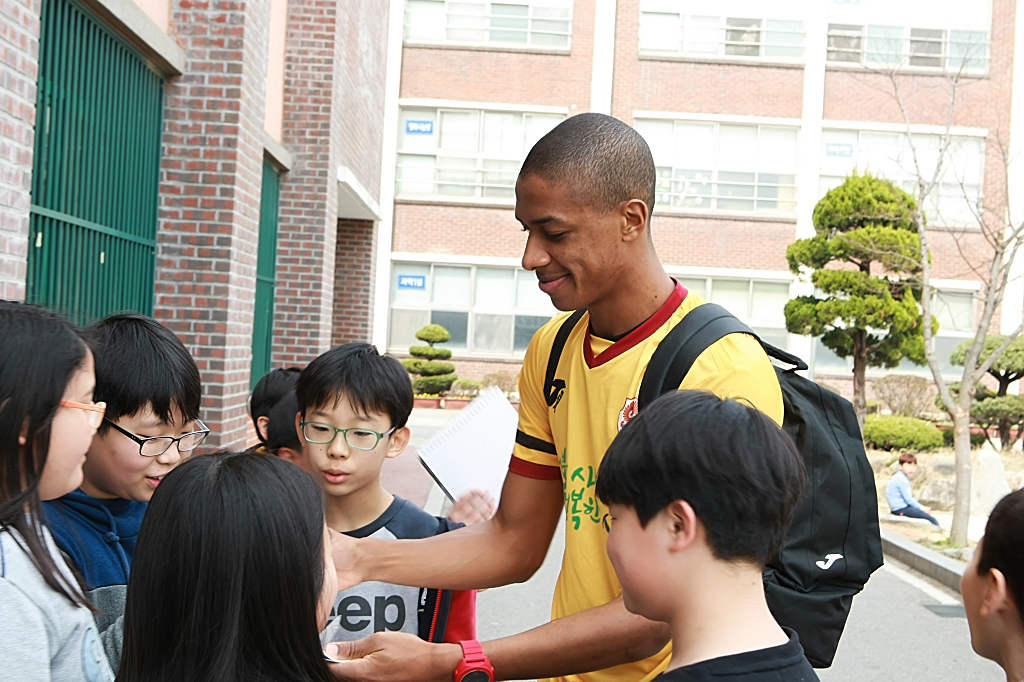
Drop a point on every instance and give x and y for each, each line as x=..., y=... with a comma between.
x=433, y=333
x=465, y=387
x=430, y=353
x=433, y=385
x=905, y=395
x=435, y=369
x=412, y=365
x=901, y=433
x=506, y=381
x=977, y=439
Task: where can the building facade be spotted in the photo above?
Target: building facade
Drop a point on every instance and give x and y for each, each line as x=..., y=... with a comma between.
x=752, y=110
x=215, y=165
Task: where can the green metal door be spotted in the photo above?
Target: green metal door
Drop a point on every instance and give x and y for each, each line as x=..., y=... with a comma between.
x=96, y=171
x=266, y=263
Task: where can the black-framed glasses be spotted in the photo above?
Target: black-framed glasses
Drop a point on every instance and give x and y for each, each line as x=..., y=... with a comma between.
x=158, y=445
x=357, y=438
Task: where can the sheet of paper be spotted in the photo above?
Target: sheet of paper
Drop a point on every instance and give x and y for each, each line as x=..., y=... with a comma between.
x=473, y=450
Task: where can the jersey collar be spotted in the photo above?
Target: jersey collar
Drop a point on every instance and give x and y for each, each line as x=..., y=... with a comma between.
x=638, y=335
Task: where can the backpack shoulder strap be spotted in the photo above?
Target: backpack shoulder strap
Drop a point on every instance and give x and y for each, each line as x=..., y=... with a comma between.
x=552, y=386
x=675, y=355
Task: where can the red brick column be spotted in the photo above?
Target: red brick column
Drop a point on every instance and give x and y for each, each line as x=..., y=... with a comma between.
x=353, y=281
x=19, y=66
x=307, y=229
x=210, y=199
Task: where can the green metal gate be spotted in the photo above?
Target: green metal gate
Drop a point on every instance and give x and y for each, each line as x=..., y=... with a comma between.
x=96, y=171
x=266, y=264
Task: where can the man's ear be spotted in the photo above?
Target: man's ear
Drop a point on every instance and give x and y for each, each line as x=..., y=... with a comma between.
x=298, y=428
x=635, y=214
x=261, y=427
x=291, y=455
x=682, y=525
x=398, y=441
x=997, y=597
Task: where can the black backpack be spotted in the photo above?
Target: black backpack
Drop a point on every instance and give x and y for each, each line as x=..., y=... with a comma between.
x=834, y=544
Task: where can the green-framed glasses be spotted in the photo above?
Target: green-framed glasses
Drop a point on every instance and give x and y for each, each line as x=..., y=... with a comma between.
x=358, y=438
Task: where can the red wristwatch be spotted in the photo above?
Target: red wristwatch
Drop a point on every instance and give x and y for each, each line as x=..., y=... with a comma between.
x=474, y=666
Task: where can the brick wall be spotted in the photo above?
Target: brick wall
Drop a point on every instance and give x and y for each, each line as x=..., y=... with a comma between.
x=363, y=52
x=307, y=227
x=19, y=64
x=210, y=197
x=354, y=281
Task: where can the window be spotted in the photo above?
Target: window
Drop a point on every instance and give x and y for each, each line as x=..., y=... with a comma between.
x=676, y=32
x=955, y=311
x=759, y=304
x=893, y=47
x=723, y=168
x=465, y=153
x=533, y=24
x=952, y=203
x=491, y=312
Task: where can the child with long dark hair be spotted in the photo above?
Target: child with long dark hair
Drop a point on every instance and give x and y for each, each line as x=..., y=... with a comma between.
x=47, y=421
x=232, y=578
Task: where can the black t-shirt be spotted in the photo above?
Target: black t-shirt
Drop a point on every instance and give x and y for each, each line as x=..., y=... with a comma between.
x=784, y=663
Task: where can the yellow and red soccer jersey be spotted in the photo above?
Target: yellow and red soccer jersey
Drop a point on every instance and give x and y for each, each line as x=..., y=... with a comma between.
x=569, y=439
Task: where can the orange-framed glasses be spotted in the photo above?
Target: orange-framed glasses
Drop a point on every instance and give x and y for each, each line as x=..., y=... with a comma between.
x=96, y=411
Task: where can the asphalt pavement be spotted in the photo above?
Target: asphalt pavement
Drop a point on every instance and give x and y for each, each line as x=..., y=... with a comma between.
x=903, y=627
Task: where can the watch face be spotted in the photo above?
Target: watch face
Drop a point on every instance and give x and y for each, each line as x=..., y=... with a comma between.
x=476, y=676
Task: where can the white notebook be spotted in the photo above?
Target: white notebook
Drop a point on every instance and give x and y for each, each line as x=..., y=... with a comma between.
x=473, y=450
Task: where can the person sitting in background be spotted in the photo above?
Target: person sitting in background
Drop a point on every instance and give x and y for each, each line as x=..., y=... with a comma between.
x=901, y=497
x=993, y=588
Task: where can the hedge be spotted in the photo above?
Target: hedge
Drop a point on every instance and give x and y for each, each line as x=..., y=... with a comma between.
x=433, y=385
x=430, y=353
x=901, y=433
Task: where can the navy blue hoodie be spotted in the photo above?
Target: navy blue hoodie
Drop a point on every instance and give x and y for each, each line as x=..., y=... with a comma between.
x=98, y=538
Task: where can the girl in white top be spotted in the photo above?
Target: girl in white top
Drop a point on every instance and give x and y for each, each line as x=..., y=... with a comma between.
x=47, y=420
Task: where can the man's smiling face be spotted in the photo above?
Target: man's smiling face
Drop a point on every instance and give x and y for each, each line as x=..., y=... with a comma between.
x=576, y=250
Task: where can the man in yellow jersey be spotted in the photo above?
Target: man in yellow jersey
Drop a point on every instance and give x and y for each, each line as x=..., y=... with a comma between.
x=583, y=196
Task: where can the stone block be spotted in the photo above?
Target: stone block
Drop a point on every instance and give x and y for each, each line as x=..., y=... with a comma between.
x=988, y=482
x=938, y=493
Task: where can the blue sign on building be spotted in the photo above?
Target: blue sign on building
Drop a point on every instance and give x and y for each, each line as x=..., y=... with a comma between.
x=840, y=150
x=412, y=282
x=419, y=127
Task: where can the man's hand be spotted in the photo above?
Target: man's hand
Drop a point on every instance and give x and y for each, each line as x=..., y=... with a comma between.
x=476, y=506
x=926, y=510
x=345, y=550
x=394, y=657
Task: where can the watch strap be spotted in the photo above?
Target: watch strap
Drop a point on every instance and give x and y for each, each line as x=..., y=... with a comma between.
x=473, y=652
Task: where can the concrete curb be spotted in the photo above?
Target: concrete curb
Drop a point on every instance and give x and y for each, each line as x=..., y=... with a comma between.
x=932, y=564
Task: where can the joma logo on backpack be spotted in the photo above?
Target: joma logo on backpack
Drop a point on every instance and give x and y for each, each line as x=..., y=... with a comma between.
x=829, y=560
x=354, y=613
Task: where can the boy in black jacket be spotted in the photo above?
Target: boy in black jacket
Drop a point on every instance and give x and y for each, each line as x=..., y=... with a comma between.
x=701, y=492
x=353, y=407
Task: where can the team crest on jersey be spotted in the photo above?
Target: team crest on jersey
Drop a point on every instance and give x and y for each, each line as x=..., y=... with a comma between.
x=629, y=410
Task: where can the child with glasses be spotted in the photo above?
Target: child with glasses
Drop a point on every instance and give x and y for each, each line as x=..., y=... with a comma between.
x=47, y=420
x=151, y=388
x=353, y=407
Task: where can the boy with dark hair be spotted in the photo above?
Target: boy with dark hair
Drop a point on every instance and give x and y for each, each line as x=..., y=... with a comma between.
x=700, y=492
x=900, y=495
x=353, y=405
x=152, y=389
x=993, y=588
x=273, y=407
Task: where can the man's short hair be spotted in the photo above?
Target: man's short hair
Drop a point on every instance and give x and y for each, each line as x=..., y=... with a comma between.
x=371, y=382
x=269, y=391
x=908, y=458
x=1001, y=547
x=601, y=159
x=140, y=362
x=738, y=470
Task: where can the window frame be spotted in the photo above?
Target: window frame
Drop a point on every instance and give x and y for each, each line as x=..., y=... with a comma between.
x=472, y=309
x=904, y=59
x=714, y=182
x=489, y=15
x=481, y=158
x=723, y=42
x=752, y=280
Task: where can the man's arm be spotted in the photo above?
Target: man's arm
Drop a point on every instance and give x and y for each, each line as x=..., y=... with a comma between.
x=506, y=549
x=598, y=638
